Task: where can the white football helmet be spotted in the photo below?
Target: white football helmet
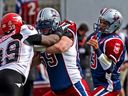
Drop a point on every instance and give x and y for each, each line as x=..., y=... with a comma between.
x=113, y=17
x=47, y=18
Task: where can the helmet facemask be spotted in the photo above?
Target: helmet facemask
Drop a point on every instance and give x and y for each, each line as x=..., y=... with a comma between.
x=103, y=25
x=46, y=26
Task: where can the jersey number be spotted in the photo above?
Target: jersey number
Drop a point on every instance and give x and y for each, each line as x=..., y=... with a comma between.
x=11, y=54
x=32, y=7
x=51, y=60
x=94, y=61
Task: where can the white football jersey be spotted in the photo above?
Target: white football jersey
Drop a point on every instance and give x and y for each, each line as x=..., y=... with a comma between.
x=64, y=68
x=16, y=55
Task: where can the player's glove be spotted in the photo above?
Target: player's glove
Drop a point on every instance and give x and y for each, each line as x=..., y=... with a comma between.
x=63, y=32
x=60, y=31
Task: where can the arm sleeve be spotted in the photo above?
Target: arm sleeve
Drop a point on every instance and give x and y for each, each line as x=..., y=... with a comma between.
x=33, y=40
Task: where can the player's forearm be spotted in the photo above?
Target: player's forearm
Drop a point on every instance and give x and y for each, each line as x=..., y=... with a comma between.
x=53, y=49
x=39, y=39
x=36, y=59
x=103, y=59
x=63, y=45
x=49, y=40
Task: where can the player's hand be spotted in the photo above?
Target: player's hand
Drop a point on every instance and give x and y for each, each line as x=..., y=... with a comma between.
x=93, y=43
x=60, y=31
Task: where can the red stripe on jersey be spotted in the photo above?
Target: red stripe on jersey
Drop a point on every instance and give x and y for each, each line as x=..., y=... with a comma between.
x=116, y=93
x=97, y=89
x=87, y=89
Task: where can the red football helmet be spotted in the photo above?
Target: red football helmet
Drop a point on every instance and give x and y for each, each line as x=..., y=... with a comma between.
x=11, y=22
x=1, y=32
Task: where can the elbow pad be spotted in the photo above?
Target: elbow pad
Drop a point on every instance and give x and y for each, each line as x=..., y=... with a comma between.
x=104, y=61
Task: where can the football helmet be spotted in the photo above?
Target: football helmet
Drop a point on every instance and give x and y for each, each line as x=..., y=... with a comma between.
x=11, y=22
x=47, y=18
x=1, y=32
x=112, y=17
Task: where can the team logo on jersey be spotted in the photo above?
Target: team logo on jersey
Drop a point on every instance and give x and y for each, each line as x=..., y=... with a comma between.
x=18, y=84
x=117, y=48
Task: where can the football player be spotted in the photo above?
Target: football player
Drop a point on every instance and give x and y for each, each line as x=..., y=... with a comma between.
x=108, y=53
x=15, y=54
x=61, y=59
x=28, y=9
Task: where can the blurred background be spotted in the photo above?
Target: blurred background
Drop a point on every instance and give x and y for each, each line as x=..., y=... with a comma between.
x=75, y=10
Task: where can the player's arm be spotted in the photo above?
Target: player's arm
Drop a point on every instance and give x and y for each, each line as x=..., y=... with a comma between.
x=63, y=45
x=103, y=57
x=104, y=60
x=66, y=40
x=45, y=40
x=39, y=39
x=36, y=59
x=113, y=49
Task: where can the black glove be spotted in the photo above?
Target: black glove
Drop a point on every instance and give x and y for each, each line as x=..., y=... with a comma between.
x=63, y=32
x=60, y=31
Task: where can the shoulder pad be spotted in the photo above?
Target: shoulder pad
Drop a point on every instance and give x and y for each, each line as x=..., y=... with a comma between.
x=28, y=30
x=113, y=48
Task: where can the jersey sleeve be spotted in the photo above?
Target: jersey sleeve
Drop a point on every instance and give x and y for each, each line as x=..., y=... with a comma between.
x=31, y=37
x=27, y=31
x=113, y=48
x=71, y=27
